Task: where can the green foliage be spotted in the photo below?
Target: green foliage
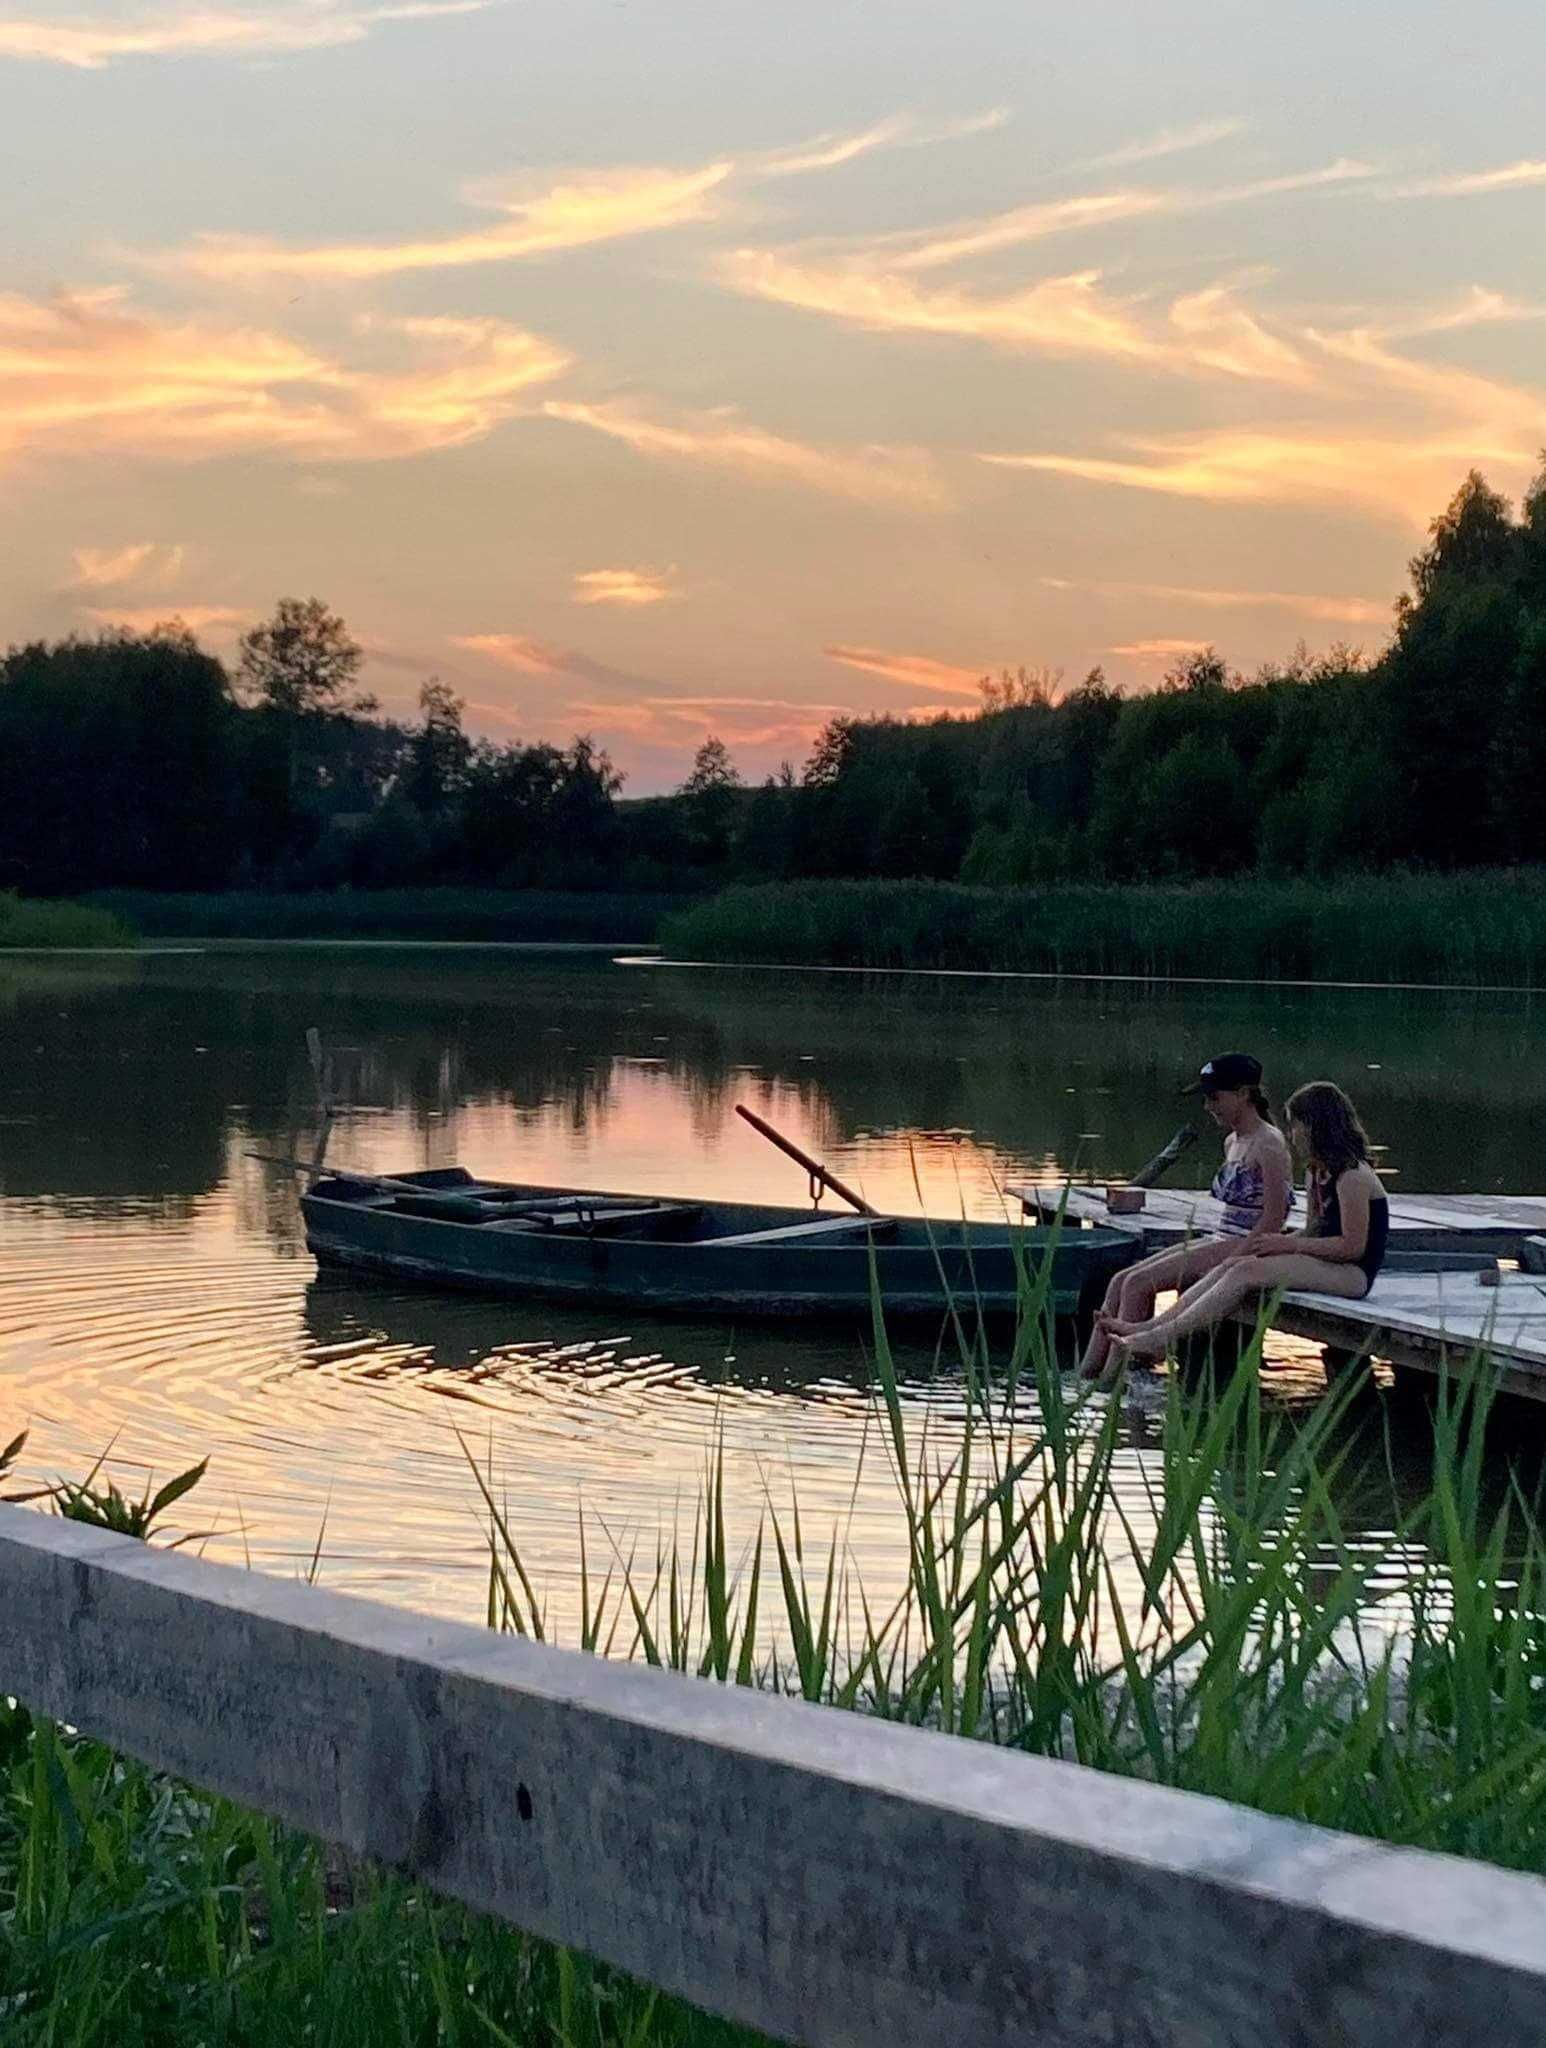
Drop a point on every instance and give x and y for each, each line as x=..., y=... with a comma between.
x=104, y=1507
x=511, y=916
x=128, y=761
x=1482, y=927
x=1234, y=1642
x=60, y=925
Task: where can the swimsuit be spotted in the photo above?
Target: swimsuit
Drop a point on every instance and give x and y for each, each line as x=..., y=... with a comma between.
x=1328, y=1223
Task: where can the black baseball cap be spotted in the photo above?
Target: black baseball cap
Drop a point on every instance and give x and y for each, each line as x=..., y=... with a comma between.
x=1226, y=1070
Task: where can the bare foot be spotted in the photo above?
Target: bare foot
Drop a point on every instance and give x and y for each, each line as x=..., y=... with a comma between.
x=1120, y=1326
x=1140, y=1343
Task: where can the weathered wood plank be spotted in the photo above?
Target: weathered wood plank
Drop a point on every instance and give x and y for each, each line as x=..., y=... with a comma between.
x=834, y=1880
x=1434, y=1322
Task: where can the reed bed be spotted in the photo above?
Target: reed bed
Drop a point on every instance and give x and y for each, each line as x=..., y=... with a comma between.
x=508, y=916
x=1232, y=1640
x=1482, y=927
x=30, y=925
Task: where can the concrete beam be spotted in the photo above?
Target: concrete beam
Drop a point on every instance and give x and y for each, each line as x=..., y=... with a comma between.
x=833, y=1880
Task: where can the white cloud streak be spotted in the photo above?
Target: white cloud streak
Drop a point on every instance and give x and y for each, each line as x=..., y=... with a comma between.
x=1471, y=184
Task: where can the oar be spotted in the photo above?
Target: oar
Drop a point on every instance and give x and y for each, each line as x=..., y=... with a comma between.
x=317, y=1172
x=813, y=1167
x=1164, y=1158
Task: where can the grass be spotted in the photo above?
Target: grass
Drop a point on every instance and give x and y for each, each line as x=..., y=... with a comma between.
x=529, y=916
x=1232, y=1640
x=1480, y=927
x=58, y=925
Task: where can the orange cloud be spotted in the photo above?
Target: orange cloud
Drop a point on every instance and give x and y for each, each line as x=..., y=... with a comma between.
x=91, y=42
x=1157, y=650
x=682, y=722
x=628, y=587
x=569, y=210
x=198, y=618
x=1060, y=315
x=917, y=671
x=1341, y=611
x=85, y=373
x=513, y=650
x=720, y=440
x=583, y=208
x=146, y=563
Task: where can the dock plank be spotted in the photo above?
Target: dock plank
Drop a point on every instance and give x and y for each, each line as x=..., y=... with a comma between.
x=1498, y=1224
x=1433, y=1322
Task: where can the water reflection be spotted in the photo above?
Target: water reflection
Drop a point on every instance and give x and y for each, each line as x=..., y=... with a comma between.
x=156, y=1289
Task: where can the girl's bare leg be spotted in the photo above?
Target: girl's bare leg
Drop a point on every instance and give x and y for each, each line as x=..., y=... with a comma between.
x=1130, y=1298
x=1206, y=1305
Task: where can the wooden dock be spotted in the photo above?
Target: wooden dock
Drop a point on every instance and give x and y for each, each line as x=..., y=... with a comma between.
x=1432, y=1320
x=1495, y=1224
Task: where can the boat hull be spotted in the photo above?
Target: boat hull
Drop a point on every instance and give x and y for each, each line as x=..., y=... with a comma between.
x=921, y=1269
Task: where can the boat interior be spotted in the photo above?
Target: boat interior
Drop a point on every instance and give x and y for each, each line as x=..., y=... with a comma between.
x=452, y=1195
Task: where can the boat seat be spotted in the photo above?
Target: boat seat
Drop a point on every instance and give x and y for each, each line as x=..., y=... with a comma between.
x=834, y=1229
x=614, y=1222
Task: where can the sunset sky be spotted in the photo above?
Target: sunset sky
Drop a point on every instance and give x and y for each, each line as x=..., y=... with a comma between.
x=651, y=368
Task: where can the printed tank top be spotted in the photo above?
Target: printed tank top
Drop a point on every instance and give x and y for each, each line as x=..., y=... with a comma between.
x=1241, y=1186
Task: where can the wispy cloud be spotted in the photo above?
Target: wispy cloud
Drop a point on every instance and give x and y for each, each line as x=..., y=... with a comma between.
x=1168, y=142
x=680, y=723
x=626, y=587
x=91, y=42
x=1338, y=611
x=1478, y=307
x=576, y=210
x=86, y=372
x=1157, y=650
x=917, y=671
x=221, y=620
x=1204, y=332
x=148, y=564
x=1471, y=184
x=1390, y=434
x=519, y=651
x=720, y=440
x=539, y=216
x=900, y=131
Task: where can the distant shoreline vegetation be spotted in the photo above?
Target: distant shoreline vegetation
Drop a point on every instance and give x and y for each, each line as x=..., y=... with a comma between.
x=489, y=916
x=60, y=927
x=139, y=761
x=1486, y=927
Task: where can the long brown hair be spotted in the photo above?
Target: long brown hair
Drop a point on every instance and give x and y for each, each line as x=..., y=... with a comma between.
x=1338, y=1140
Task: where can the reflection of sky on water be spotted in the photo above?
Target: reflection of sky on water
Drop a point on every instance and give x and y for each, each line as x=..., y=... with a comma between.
x=157, y=1291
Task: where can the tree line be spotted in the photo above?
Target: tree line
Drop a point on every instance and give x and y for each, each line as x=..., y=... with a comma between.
x=139, y=761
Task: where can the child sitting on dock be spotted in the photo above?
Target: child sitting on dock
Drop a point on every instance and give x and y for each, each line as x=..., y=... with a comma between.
x=1255, y=1185
x=1340, y=1252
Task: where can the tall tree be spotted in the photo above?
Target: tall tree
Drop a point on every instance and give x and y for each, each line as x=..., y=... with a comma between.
x=302, y=660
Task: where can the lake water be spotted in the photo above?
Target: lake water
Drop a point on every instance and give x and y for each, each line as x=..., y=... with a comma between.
x=156, y=1294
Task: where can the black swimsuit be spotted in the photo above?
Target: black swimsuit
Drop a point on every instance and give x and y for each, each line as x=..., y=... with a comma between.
x=1328, y=1223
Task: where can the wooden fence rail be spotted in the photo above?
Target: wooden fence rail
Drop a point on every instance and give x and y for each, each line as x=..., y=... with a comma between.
x=834, y=1880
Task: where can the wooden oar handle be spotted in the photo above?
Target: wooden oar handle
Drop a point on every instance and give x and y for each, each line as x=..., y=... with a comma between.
x=813, y=1167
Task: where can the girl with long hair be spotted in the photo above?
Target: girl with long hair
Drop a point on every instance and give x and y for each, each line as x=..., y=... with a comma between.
x=1340, y=1252
x=1255, y=1184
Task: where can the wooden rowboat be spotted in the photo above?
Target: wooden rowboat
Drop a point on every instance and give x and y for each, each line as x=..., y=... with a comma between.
x=447, y=1229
